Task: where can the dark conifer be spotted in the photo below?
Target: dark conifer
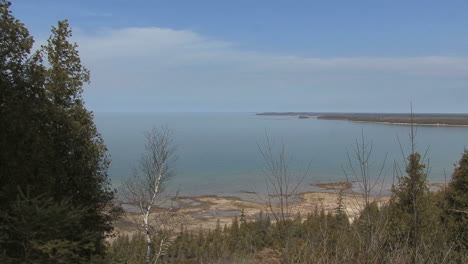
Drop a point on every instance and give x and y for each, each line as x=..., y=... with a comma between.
x=49, y=145
x=457, y=204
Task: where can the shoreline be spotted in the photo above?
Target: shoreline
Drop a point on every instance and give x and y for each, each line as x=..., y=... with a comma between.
x=429, y=119
x=204, y=212
x=396, y=123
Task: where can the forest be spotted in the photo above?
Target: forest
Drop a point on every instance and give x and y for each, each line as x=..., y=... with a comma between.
x=58, y=206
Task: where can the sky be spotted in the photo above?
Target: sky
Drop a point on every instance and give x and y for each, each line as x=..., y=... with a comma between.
x=256, y=56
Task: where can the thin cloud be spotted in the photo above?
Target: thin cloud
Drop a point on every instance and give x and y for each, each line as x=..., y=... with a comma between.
x=180, y=47
x=163, y=64
x=96, y=14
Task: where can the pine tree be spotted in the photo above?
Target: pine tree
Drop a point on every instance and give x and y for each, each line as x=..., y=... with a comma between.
x=242, y=216
x=77, y=144
x=411, y=206
x=49, y=145
x=22, y=109
x=42, y=228
x=234, y=235
x=457, y=201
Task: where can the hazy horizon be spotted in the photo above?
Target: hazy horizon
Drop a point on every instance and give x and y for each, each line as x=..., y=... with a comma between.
x=282, y=56
x=258, y=112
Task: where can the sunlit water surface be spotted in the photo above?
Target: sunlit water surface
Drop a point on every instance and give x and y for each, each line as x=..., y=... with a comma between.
x=218, y=152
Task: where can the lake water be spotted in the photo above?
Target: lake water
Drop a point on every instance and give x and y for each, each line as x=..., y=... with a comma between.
x=218, y=152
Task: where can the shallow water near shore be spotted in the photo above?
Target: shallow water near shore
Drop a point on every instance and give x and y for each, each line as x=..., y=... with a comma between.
x=218, y=152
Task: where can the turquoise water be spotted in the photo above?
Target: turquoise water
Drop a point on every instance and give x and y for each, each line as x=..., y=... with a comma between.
x=218, y=152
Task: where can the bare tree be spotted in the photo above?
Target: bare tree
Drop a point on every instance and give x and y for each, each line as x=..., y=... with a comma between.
x=368, y=175
x=146, y=188
x=282, y=184
x=361, y=169
x=283, y=188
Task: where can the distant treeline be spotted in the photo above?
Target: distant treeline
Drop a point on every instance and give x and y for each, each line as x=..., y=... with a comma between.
x=396, y=118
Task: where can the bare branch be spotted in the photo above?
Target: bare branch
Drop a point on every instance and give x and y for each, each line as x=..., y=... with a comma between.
x=146, y=187
x=281, y=182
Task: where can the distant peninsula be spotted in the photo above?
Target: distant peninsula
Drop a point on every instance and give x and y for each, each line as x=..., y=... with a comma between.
x=426, y=119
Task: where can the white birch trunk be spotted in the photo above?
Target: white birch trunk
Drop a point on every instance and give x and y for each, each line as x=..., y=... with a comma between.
x=148, y=239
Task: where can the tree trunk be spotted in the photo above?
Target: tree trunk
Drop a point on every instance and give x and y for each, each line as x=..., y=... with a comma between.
x=148, y=254
x=148, y=241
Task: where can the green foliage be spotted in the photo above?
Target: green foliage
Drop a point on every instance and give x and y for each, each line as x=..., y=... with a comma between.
x=50, y=147
x=458, y=186
x=411, y=205
x=415, y=216
x=457, y=204
x=127, y=249
x=320, y=238
x=38, y=230
x=55, y=198
x=406, y=230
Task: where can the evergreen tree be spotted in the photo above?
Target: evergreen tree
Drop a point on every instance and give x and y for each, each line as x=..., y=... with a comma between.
x=23, y=139
x=234, y=235
x=77, y=145
x=457, y=201
x=43, y=229
x=412, y=211
x=49, y=145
